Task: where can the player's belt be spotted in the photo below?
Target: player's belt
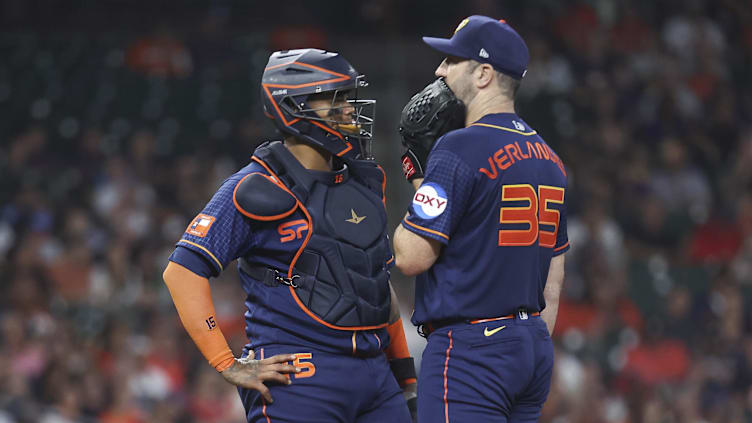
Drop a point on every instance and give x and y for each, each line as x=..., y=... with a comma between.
x=427, y=328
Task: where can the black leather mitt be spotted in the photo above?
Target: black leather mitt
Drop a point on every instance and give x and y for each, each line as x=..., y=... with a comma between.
x=426, y=117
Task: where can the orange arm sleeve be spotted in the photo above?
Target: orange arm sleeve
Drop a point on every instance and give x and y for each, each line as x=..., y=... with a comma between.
x=397, y=344
x=192, y=297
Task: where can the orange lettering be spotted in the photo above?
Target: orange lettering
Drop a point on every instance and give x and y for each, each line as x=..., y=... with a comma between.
x=288, y=234
x=557, y=161
x=512, y=151
x=531, y=151
x=525, y=214
x=520, y=150
x=554, y=158
x=307, y=368
x=493, y=173
x=509, y=148
x=536, y=214
x=500, y=158
x=548, y=194
x=543, y=151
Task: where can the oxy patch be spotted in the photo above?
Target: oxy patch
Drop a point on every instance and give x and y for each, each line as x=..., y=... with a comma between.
x=429, y=201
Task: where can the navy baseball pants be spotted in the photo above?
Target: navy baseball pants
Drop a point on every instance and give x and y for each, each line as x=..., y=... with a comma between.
x=332, y=388
x=493, y=372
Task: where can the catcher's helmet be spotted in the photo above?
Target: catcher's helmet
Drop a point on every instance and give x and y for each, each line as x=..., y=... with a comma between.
x=292, y=77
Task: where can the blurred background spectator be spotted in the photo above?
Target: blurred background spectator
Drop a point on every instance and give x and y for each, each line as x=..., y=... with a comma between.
x=119, y=119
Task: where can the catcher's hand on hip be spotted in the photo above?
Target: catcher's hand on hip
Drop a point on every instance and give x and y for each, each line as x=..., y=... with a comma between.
x=251, y=374
x=427, y=116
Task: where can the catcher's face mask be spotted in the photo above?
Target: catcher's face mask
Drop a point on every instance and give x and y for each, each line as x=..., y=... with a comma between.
x=344, y=112
x=294, y=81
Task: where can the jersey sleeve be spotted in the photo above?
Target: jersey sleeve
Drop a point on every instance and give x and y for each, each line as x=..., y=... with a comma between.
x=219, y=234
x=440, y=201
x=189, y=259
x=562, y=240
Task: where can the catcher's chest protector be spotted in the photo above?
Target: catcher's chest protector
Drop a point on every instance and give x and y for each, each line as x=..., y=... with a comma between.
x=343, y=276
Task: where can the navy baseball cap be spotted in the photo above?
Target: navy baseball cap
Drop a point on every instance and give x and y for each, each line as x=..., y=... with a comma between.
x=489, y=41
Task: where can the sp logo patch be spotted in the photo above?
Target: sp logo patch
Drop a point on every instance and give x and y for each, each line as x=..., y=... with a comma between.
x=200, y=225
x=292, y=230
x=430, y=201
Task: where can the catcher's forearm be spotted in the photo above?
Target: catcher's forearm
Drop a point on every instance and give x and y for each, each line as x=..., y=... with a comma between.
x=192, y=297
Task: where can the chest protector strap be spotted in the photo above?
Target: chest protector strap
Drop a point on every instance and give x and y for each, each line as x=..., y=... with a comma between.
x=339, y=275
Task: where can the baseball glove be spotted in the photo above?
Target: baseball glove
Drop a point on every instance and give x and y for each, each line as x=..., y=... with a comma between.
x=427, y=116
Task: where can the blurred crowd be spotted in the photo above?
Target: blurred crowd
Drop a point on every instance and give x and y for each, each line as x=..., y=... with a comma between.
x=108, y=148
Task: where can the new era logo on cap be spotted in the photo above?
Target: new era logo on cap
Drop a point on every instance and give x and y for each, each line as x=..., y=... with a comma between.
x=489, y=41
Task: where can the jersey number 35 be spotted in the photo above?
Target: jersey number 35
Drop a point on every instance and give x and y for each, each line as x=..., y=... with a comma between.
x=542, y=221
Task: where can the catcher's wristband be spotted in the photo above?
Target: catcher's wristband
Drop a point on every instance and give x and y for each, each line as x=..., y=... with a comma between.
x=403, y=370
x=411, y=165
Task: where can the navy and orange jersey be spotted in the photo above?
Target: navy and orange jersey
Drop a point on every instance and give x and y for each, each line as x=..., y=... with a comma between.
x=220, y=234
x=494, y=195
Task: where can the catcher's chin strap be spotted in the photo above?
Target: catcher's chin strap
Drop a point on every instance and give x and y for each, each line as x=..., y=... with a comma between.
x=402, y=365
